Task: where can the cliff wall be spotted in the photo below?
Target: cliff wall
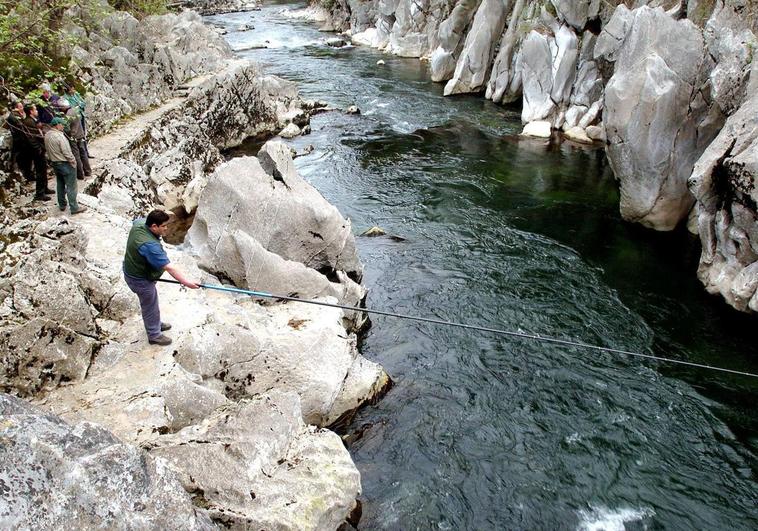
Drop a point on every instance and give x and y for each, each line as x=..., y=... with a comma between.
x=665, y=84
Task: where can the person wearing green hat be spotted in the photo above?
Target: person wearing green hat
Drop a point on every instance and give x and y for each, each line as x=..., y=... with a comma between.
x=64, y=164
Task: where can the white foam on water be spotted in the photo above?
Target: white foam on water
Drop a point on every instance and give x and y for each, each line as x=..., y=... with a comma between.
x=604, y=519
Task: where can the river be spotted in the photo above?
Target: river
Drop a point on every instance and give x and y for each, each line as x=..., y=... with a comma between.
x=489, y=432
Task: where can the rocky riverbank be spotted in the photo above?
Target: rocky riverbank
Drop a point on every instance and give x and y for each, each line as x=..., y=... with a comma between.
x=226, y=427
x=665, y=84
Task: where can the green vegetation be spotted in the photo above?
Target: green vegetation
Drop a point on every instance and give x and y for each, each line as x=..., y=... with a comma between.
x=35, y=41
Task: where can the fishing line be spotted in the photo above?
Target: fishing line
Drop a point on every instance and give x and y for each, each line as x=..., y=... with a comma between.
x=510, y=333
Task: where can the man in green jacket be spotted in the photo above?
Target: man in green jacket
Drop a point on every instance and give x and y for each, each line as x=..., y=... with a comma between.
x=144, y=263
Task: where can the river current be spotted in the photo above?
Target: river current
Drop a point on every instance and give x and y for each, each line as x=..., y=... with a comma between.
x=489, y=432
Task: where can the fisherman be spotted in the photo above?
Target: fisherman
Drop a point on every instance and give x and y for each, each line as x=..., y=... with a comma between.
x=144, y=263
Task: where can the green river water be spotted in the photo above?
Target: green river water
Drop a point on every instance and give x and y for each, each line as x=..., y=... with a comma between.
x=489, y=432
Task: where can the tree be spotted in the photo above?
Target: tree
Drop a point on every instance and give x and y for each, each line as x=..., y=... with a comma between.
x=34, y=43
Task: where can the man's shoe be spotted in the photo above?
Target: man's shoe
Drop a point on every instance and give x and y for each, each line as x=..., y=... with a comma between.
x=61, y=207
x=49, y=191
x=160, y=340
x=42, y=198
x=165, y=326
x=79, y=210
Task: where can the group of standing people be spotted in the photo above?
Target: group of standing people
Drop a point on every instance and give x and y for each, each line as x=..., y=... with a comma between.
x=52, y=130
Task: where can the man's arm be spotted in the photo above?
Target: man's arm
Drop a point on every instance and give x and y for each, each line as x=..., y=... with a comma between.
x=177, y=273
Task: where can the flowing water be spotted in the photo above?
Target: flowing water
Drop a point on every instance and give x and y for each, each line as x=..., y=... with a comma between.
x=489, y=432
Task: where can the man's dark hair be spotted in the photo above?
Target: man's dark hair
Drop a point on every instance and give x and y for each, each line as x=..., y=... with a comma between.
x=28, y=108
x=156, y=217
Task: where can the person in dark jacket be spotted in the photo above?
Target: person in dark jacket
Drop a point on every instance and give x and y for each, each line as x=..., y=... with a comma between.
x=36, y=141
x=21, y=150
x=144, y=263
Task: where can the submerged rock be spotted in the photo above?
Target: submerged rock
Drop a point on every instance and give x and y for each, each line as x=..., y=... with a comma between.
x=373, y=231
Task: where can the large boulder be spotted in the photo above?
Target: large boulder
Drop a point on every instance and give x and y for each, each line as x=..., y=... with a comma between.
x=298, y=347
x=658, y=115
x=60, y=476
x=256, y=465
x=262, y=226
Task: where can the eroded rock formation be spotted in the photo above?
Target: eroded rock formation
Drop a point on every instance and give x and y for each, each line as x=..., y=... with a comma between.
x=655, y=80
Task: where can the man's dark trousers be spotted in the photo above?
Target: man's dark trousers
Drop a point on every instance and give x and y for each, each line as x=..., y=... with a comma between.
x=148, y=301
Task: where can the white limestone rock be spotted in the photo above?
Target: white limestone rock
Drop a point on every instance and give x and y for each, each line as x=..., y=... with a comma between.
x=505, y=80
x=536, y=64
x=300, y=348
x=132, y=65
x=539, y=129
x=80, y=476
x=577, y=13
x=255, y=465
x=473, y=66
x=596, y=132
x=724, y=183
x=657, y=118
x=578, y=134
x=451, y=36
x=253, y=206
x=291, y=131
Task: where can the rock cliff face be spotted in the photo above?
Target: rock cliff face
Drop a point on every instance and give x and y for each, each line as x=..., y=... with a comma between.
x=656, y=80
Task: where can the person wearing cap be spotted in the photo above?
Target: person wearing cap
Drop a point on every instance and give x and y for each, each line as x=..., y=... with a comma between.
x=144, y=263
x=64, y=164
x=76, y=138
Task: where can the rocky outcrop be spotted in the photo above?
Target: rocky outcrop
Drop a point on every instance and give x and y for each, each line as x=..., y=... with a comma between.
x=655, y=80
x=56, y=475
x=230, y=462
x=474, y=62
x=659, y=116
x=131, y=65
x=724, y=184
x=222, y=413
x=168, y=161
x=260, y=224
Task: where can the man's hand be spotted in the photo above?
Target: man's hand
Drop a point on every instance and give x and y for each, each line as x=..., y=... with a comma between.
x=73, y=164
x=190, y=284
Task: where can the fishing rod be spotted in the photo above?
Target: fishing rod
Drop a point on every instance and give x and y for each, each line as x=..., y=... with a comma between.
x=510, y=333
